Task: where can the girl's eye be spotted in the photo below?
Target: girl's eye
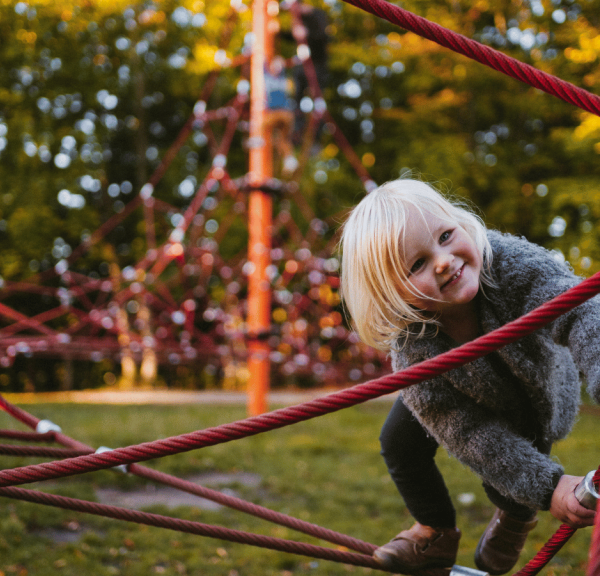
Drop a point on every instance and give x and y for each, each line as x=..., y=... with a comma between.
x=446, y=235
x=417, y=265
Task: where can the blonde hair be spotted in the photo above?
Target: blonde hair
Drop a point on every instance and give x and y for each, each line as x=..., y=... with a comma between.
x=372, y=243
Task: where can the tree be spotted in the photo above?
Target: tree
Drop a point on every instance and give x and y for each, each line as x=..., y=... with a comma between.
x=81, y=135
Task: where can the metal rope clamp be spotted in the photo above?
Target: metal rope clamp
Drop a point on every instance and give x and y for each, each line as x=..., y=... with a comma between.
x=45, y=426
x=586, y=492
x=119, y=468
x=464, y=571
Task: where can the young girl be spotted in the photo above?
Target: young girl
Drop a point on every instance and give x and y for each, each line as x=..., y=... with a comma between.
x=421, y=275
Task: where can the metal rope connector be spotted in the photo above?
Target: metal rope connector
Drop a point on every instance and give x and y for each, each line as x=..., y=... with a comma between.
x=464, y=571
x=121, y=467
x=586, y=492
x=45, y=426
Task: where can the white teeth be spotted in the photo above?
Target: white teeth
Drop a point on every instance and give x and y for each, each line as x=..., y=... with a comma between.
x=454, y=276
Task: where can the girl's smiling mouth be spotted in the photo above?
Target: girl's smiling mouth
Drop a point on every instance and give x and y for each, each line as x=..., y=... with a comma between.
x=453, y=278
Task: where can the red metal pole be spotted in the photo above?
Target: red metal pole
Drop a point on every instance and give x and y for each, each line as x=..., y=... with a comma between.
x=260, y=220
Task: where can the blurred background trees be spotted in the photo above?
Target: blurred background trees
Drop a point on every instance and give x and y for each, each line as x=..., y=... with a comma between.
x=94, y=93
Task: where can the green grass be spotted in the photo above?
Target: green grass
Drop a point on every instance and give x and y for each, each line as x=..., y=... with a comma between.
x=327, y=471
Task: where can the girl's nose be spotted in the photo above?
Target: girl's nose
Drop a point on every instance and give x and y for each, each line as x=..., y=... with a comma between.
x=443, y=262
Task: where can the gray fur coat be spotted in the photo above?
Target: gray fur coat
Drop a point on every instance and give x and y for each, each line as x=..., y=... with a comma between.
x=490, y=412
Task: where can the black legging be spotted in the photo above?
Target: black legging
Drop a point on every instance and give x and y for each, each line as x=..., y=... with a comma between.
x=409, y=454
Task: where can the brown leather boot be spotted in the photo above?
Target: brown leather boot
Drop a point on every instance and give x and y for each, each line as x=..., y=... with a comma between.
x=501, y=544
x=419, y=548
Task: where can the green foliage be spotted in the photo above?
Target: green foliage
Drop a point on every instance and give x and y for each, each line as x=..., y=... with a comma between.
x=574, y=207
x=421, y=106
x=105, y=117
x=451, y=119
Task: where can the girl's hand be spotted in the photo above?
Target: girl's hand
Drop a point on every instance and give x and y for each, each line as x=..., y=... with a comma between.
x=566, y=508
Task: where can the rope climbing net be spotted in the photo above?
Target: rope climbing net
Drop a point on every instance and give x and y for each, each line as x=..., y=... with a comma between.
x=80, y=458
x=183, y=303
x=77, y=458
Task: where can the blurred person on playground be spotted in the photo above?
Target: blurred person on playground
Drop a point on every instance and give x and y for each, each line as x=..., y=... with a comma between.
x=312, y=31
x=279, y=115
x=315, y=22
x=421, y=274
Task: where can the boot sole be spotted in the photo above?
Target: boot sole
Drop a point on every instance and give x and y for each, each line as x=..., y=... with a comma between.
x=481, y=565
x=392, y=564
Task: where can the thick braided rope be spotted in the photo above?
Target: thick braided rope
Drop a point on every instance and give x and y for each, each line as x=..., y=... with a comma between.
x=28, y=436
x=556, y=542
x=190, y=527
x=43, y=451
x=203, y=492
x=548, y=551
x=481, y=53
x=256, y=510
x=284, y=417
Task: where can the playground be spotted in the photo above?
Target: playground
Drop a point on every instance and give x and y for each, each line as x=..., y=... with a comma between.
x=195, y=340
x=331, y=467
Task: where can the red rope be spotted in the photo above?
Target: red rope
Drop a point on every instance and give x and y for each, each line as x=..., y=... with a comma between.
x=284, y=417
x=360, y=393
x=209, y=494
x=472, y=49
x=25, y=418
x=27, y=436
x=548, y=551
x=256, y=510
x=12, y=450
x=481, y=53
x=190, y=527
x=531, y=569
x=558, y=540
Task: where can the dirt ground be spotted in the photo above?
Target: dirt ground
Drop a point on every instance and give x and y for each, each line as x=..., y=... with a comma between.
x=166, y=396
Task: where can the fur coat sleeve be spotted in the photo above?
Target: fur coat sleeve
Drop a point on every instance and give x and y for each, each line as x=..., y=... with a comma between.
x=533, y=276
x=483, y=413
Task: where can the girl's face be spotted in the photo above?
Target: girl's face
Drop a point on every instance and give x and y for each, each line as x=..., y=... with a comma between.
x=442, y=263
